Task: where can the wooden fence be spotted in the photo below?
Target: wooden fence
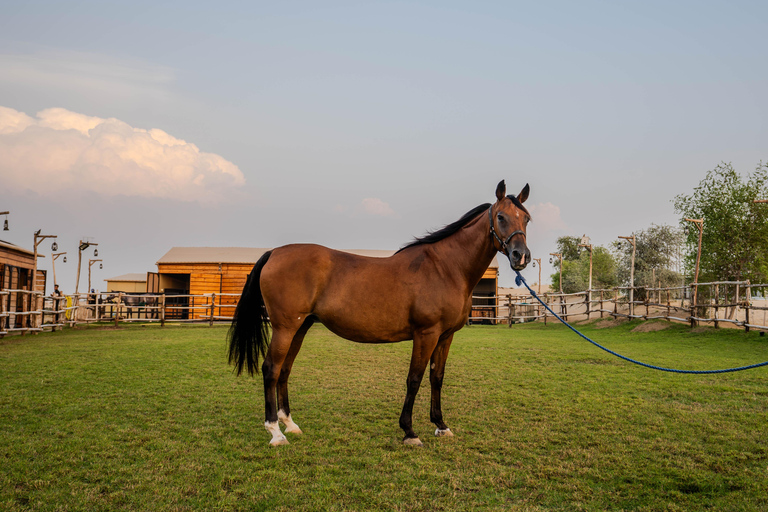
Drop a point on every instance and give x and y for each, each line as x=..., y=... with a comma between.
x=736, y=303
x=40, y=313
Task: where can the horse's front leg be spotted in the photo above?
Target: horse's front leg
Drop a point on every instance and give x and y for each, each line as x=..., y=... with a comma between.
x=436, y=373
x=423, y=346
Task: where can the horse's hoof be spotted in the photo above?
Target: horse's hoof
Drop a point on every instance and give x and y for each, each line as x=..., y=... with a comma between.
x=293, y=429
x=413, y=441
x=444, y=432
x=278, y=441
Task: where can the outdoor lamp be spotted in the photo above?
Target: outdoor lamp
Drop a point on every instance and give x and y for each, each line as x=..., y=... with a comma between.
x=5, y=225
x=54, y=247
x=534, y=264
x=65, y=259
x=101, y=266
x=550, y=259
x=95, y=253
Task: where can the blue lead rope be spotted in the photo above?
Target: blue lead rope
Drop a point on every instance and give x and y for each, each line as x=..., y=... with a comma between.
x=519, y=280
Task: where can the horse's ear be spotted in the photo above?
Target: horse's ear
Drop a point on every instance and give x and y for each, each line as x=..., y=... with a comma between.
x=501, y=190
x=524, y=194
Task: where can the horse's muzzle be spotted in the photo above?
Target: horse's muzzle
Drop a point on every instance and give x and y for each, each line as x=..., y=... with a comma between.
x=519, y=257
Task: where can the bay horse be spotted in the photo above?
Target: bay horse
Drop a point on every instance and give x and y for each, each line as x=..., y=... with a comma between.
x=423, y=293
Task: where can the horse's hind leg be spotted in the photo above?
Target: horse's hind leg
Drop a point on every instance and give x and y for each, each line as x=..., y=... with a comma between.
x=270, y=369
x=284, y=409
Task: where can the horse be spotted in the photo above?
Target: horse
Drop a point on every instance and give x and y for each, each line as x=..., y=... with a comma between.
x=424, y=294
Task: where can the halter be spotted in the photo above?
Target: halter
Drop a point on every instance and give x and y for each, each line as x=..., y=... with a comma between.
x=503, y=243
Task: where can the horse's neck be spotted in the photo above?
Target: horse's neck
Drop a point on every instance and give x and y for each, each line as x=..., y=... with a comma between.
x=468, y=252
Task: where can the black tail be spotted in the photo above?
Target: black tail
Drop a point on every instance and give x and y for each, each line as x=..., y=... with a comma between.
x=249, y=332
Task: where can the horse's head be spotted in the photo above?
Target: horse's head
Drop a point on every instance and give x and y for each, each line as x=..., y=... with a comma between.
x=509, y=220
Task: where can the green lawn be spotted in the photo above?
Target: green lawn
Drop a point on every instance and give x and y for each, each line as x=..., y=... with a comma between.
x=150, y=418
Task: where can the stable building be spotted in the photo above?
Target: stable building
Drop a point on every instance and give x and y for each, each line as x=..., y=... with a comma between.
x=16, y=268
x=128, y=283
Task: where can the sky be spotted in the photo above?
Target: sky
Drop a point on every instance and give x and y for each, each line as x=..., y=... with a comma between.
x=141, y=126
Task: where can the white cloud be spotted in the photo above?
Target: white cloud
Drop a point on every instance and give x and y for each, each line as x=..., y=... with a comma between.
x=60, y=150
x=546, y=217
x=376, y=207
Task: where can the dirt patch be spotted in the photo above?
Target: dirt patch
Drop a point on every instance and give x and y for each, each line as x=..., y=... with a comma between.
x=701, y=328
x=651, y=326
x=613, y=322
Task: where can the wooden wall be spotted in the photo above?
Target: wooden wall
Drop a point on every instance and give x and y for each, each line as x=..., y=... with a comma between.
x=16, y=258
x=207, y=278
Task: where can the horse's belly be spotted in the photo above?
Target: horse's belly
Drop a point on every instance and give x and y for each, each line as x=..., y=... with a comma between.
x=355, y=329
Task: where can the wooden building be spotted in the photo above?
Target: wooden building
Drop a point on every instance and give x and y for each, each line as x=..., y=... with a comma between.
x=128, y=283
x=223, y=270
x=202, y=270
x=16, y=267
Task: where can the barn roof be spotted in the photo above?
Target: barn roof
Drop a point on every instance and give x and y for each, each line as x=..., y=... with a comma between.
x=251, y=255
x=212, y=255
x=129, y=278
x=14, y=247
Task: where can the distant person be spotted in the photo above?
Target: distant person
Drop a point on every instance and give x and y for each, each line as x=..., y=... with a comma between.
x=56, y=292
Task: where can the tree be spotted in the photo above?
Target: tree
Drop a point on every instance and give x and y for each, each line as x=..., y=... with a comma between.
x=576, y=266
x=734, y=244
x=657, y=258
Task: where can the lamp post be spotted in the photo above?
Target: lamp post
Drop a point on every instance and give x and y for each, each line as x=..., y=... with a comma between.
x=5, y=222
x=535, y=262
x=83, y=246
x=38, y=240
x=90, y=264
x=560, y=257
x=699, y=223
x=631, y=239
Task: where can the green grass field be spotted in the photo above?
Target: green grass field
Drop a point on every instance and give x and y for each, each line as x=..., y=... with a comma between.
x=144, y=418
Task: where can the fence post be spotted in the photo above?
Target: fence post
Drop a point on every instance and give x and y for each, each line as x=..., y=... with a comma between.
x=717, y=301
x=748, y=304
x=601, y=303
x=694, y=292
x=162, y=310
x=509, y=310
x=213, y=303
x=546, y=301
x=586, y=299
x=118, y=307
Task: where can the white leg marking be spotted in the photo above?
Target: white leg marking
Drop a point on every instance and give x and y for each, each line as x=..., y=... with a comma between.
x=444, y=433
x=290, y=426
x=277, y=437
x=413, y=441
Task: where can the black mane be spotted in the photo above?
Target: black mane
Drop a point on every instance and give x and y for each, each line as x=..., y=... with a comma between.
x=441, y=234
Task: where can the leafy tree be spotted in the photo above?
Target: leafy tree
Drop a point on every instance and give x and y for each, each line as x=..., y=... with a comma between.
x=576, y=266
x=734, y=243
x=657, y=257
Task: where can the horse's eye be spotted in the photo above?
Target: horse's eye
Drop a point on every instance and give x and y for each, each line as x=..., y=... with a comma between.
x=500, y=217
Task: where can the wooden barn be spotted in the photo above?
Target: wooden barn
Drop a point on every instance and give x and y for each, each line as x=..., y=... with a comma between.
x=16, y=267
x=128, y=283
x=186, y=271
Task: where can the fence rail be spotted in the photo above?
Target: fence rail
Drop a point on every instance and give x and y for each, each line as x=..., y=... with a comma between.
x=31, y=312
x=734, y=303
